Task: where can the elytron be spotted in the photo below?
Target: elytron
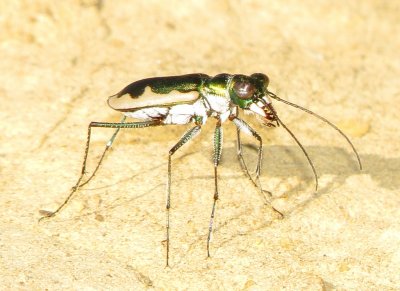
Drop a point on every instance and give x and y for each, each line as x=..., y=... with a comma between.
x=196, y=98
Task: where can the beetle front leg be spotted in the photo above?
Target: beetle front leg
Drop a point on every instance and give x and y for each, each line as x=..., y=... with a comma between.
x=218, y=136
x=243, y=126
x=239, y=148
x=239, y=152
x=184, y=139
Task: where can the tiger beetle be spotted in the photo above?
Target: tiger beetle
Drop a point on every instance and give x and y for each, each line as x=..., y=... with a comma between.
x=194, y=98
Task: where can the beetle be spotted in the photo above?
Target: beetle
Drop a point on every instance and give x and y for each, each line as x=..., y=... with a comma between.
x=195, y=98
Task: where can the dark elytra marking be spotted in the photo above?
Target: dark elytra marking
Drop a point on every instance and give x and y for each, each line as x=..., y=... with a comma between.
x=164, y=85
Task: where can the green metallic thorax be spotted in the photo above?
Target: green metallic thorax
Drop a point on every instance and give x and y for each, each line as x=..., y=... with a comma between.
x=217, y=85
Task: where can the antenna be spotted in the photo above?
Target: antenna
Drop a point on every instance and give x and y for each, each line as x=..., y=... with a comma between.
x=272, y=95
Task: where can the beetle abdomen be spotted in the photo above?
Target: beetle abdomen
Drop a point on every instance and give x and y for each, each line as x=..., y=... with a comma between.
x=159, y=91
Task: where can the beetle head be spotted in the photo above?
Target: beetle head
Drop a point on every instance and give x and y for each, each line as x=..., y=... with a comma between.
x=250, y=93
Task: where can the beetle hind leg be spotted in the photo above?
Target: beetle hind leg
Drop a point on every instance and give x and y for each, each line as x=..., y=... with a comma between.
x=118, y=125
x=108, y=146
x=190, y=134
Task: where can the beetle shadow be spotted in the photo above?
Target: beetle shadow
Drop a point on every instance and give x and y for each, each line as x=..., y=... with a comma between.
x=284, y=162
x=333, y=164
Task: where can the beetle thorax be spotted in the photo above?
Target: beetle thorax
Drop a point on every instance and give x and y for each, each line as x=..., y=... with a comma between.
x=216, y=93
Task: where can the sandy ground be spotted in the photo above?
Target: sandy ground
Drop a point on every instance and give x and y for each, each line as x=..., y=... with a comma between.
x=61, y=59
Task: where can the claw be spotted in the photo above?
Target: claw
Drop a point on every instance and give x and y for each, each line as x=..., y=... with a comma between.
x=45, y=214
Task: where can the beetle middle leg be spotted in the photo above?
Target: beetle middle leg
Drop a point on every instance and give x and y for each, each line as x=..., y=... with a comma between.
x=218, y=135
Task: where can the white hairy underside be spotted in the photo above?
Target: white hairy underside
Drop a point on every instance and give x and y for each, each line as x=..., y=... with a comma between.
x=184, y=113
x=177, y=114
x=218, y=104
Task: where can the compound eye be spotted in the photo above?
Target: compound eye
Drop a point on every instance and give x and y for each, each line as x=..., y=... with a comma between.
x=244, y=90
x=261, y=77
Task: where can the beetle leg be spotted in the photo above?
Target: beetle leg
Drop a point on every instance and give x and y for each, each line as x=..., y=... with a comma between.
x=191, y=133
x=108, y=146
x=239, y=150
x=239, y=153
x=218, y=136
x=118, y=126
x=243, y=126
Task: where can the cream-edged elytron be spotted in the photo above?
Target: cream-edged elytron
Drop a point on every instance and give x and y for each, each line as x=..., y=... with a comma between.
x=195, y=98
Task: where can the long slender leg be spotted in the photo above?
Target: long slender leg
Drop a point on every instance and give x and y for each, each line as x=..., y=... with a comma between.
x=117, y=125
x=191, y=133
x=239, y=152
x=243, y=126
x=218, y=136
x=108, y=146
